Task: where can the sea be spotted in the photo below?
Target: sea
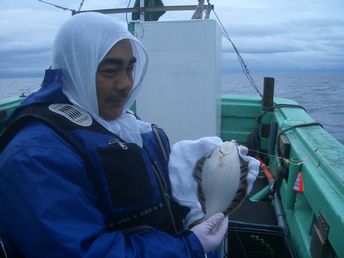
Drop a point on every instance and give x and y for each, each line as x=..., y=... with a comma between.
x=322, y=95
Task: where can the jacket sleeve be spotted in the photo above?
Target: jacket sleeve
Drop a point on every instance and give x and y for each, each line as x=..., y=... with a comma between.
x=51, y=209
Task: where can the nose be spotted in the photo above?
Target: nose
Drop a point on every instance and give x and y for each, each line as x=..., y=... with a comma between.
x=125, y=81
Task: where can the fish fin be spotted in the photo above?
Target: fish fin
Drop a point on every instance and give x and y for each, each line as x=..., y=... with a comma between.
x=197, y=174
x=242, y=190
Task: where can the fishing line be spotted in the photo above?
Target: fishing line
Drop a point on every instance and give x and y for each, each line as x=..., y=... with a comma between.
x=243, y=65
x=81, y=4
x=288, y=161
x=126, y=13
x=64, y=8
x=57, y=6
x=271, y=155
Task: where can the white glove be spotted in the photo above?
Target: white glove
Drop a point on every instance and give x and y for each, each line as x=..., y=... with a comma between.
x=253, y=167
x=211, y=231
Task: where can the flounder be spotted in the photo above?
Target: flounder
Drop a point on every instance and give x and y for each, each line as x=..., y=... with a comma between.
x=221, y=179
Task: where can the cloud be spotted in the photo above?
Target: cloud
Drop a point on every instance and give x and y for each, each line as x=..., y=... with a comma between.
x=269, y=34
x=261, y=46
x=302, y=43
x=24, y=63
x=26, y=39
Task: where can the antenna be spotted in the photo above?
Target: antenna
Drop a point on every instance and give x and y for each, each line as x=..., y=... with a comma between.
x=60, y=7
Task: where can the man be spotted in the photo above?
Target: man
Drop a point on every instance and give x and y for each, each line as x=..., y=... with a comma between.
x=80, y=175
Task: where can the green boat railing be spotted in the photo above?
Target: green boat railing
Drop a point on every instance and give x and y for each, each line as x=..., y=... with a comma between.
x=315, y=215
x=6, y=108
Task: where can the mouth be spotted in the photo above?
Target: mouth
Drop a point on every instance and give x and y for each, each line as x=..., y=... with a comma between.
x=116, y=101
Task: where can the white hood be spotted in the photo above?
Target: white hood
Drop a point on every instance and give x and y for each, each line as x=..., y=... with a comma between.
x=79, y=47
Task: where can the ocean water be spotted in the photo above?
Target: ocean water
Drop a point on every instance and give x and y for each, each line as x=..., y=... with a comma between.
x=16, y=87
x=321, y=94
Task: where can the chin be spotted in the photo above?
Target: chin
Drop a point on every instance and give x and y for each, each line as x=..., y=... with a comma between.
x=111, y=115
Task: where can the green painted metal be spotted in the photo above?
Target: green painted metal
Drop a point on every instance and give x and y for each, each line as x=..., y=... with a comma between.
x=322, y=168
x=323, y=179
x=262, y=194
x=238, y=115
x=6, y=107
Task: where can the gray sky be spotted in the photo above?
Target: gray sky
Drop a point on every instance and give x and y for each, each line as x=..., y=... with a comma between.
x=271, y=35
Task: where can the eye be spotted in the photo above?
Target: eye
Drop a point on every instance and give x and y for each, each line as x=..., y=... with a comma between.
x=130, y=68
x=108, y=71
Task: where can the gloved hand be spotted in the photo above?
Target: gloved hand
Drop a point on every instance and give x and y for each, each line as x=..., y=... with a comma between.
x=253, y=167
x=211, y=231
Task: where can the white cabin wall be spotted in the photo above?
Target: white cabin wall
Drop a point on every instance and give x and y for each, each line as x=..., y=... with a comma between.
x=182, y=85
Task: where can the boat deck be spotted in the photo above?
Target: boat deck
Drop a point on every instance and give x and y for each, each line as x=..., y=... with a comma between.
x=254, y=231
x=256, y=212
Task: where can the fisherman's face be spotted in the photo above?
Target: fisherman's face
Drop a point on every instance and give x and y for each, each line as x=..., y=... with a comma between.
x=114, y=80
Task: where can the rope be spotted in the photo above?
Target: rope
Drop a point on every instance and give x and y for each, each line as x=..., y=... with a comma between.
x=290, y=128
x=81, y=4
x=243, y=65
x=126, y=13
x=253, y=139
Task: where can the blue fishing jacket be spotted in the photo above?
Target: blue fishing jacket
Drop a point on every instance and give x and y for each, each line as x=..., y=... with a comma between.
x=73, y=191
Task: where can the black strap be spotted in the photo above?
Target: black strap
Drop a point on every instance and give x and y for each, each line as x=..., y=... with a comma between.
x=282, y=173
x=253, y=139
x=290, y=128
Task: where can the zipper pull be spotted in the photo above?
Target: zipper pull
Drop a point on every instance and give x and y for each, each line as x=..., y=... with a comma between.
x=116, y=141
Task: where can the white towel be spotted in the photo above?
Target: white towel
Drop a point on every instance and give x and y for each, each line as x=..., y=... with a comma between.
x=183, y=158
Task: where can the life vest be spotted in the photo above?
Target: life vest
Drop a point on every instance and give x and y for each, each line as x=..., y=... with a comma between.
x=132, y=182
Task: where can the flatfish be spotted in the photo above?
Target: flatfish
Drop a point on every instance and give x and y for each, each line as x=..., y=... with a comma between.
x=221, y=180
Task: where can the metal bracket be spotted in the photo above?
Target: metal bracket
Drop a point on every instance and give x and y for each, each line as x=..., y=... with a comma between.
x=319, y=244
x=284, y=146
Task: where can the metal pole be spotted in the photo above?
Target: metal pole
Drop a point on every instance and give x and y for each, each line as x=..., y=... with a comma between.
x=267, y=106
x=268, y=95
x=279, y=213
x=142, y=14
x=146, y=9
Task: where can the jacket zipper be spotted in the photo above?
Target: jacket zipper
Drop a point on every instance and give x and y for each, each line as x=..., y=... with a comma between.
x=137, y=229
x=157, y=136
x=167, y=197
